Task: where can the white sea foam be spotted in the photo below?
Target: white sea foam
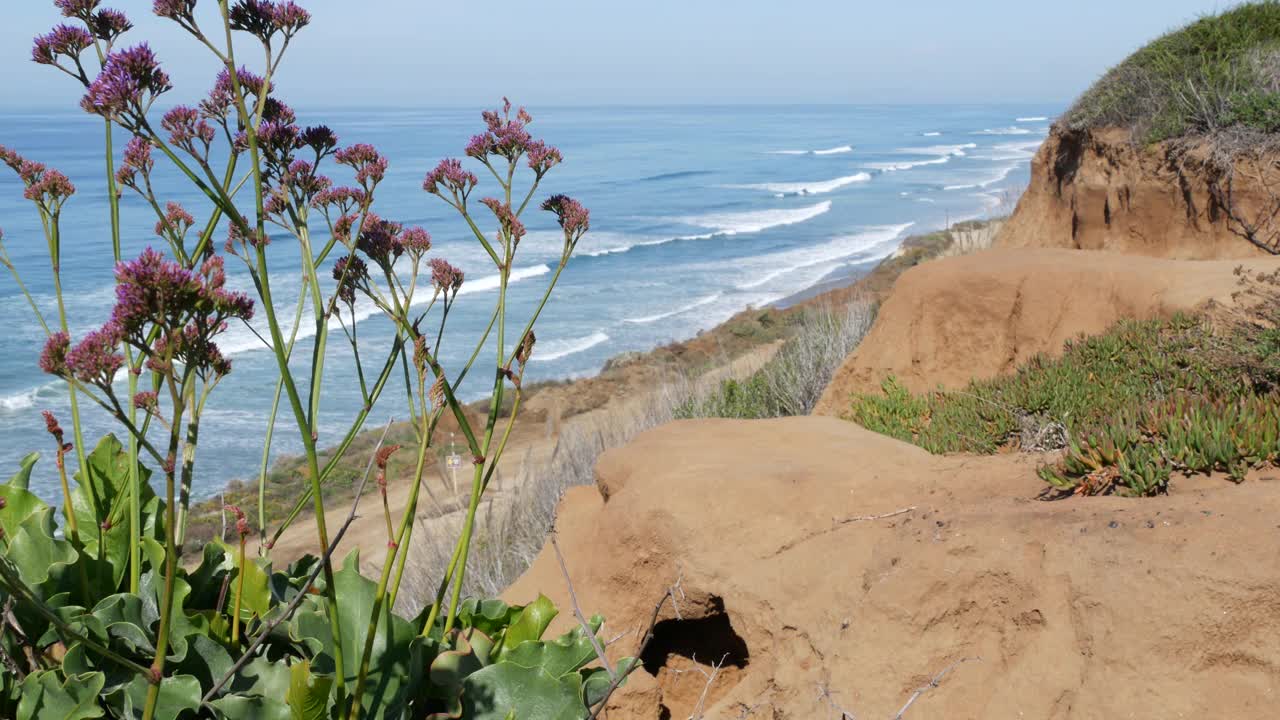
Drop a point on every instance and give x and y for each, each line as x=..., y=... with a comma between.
x=557, y=349
x=837, y=249
x=931, y=134
x=816, y=187
x=1013, y=130
x=1031, y=119
x=907, y=165
x=672, y=313
x=939, y=150
x=754, y=220
x=828, y=151
x=240, y=339
x=997, y=178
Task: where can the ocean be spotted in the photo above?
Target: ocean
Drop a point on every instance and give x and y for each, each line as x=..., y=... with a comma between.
x=696, y=213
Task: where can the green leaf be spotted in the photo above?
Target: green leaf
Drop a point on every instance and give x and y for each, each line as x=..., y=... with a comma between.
x=42, y=561
x=179, y=694
x=505, y=689
x=529, y=625
x=256, y=600
x=21, y=480
x=566, y=654
x=19, y=504
x=238, y=707
x=389, y=662
x=44, y=698
x=102, y=496
x=308, y=695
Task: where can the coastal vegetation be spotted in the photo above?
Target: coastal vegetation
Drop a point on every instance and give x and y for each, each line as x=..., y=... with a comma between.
x=111, y=610
x=1220, y=73
x=1129, y=407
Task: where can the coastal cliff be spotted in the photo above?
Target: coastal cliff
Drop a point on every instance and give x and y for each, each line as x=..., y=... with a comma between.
x=1099, y=190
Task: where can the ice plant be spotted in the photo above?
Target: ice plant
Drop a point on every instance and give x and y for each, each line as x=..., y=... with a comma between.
x=147, y=626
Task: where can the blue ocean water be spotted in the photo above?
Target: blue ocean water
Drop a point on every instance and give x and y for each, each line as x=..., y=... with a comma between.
x=696, y=213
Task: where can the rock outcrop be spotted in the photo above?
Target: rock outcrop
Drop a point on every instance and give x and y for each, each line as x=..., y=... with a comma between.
x=1097, y=190
x=821, y=565
x=949, y=321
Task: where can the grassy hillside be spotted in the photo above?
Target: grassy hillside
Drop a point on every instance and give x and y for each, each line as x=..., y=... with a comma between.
x=1221, y=72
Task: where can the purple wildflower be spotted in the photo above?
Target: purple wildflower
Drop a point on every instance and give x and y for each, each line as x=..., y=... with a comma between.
x=344, y=199
x=350, y=272
x=174, y=9
x=370, y=166
x=129, y=79
x=505, y=136
x=175, y=223
x=572, y=216
x=320, y=139
x=137, y=159
x=107, y=25
x=186, y=127
x=95, y=358
x=63, y=40
x=11, y=158
x=77, y=8
x=253, y=17
x=289, y=18
x=416, y=241
x=511, y=226
x=222, y=97
x=542, y=157
x=53, y=358
x=48, y=187
x=379, y=239
x=445, y=277
x=145, y=400
x=452, y=176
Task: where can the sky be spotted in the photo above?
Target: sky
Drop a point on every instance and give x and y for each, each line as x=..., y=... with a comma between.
x=428, y=53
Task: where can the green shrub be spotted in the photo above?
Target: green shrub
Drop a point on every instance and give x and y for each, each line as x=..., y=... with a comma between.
x=1212, y=74
x=1136, y=403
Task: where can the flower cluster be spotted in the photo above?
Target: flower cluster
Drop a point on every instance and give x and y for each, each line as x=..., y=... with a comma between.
x=445, y=277
x=175, y=223
x=63, y=41
x=46, y=187
x=369, y=164
x=572, y=216
x=415, y=241
x=242, y=522
x=188, y=309
x=504, y=135
x=130, y=80
x=512, y=228
x=189, y=130
x=96, y=358
x=52, y=427
x=107, y=25
x=175, y=9
x=137, y=160
x=342, y=199
x=351, y=273
x=222, y=98
x=451, y=176
x=380, y=240
x=264, y=18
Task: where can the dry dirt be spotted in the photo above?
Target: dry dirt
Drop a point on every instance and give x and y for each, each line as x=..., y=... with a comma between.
x=977, y=316
x=1087, y=608
x=1100, y=191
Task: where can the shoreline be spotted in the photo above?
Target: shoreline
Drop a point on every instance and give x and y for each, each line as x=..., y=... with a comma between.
x=549, y=403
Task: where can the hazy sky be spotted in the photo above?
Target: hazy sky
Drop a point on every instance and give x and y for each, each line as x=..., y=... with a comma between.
x=541, y=52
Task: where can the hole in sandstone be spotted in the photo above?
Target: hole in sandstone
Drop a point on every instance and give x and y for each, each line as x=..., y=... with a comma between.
x=708, y=638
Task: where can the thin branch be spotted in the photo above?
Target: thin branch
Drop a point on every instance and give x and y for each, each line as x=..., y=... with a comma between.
x=937, y=680
x=577, y=612
x=669, y=594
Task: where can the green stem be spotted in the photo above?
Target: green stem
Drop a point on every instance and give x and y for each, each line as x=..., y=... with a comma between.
x=393, y=548
x=170, y=563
